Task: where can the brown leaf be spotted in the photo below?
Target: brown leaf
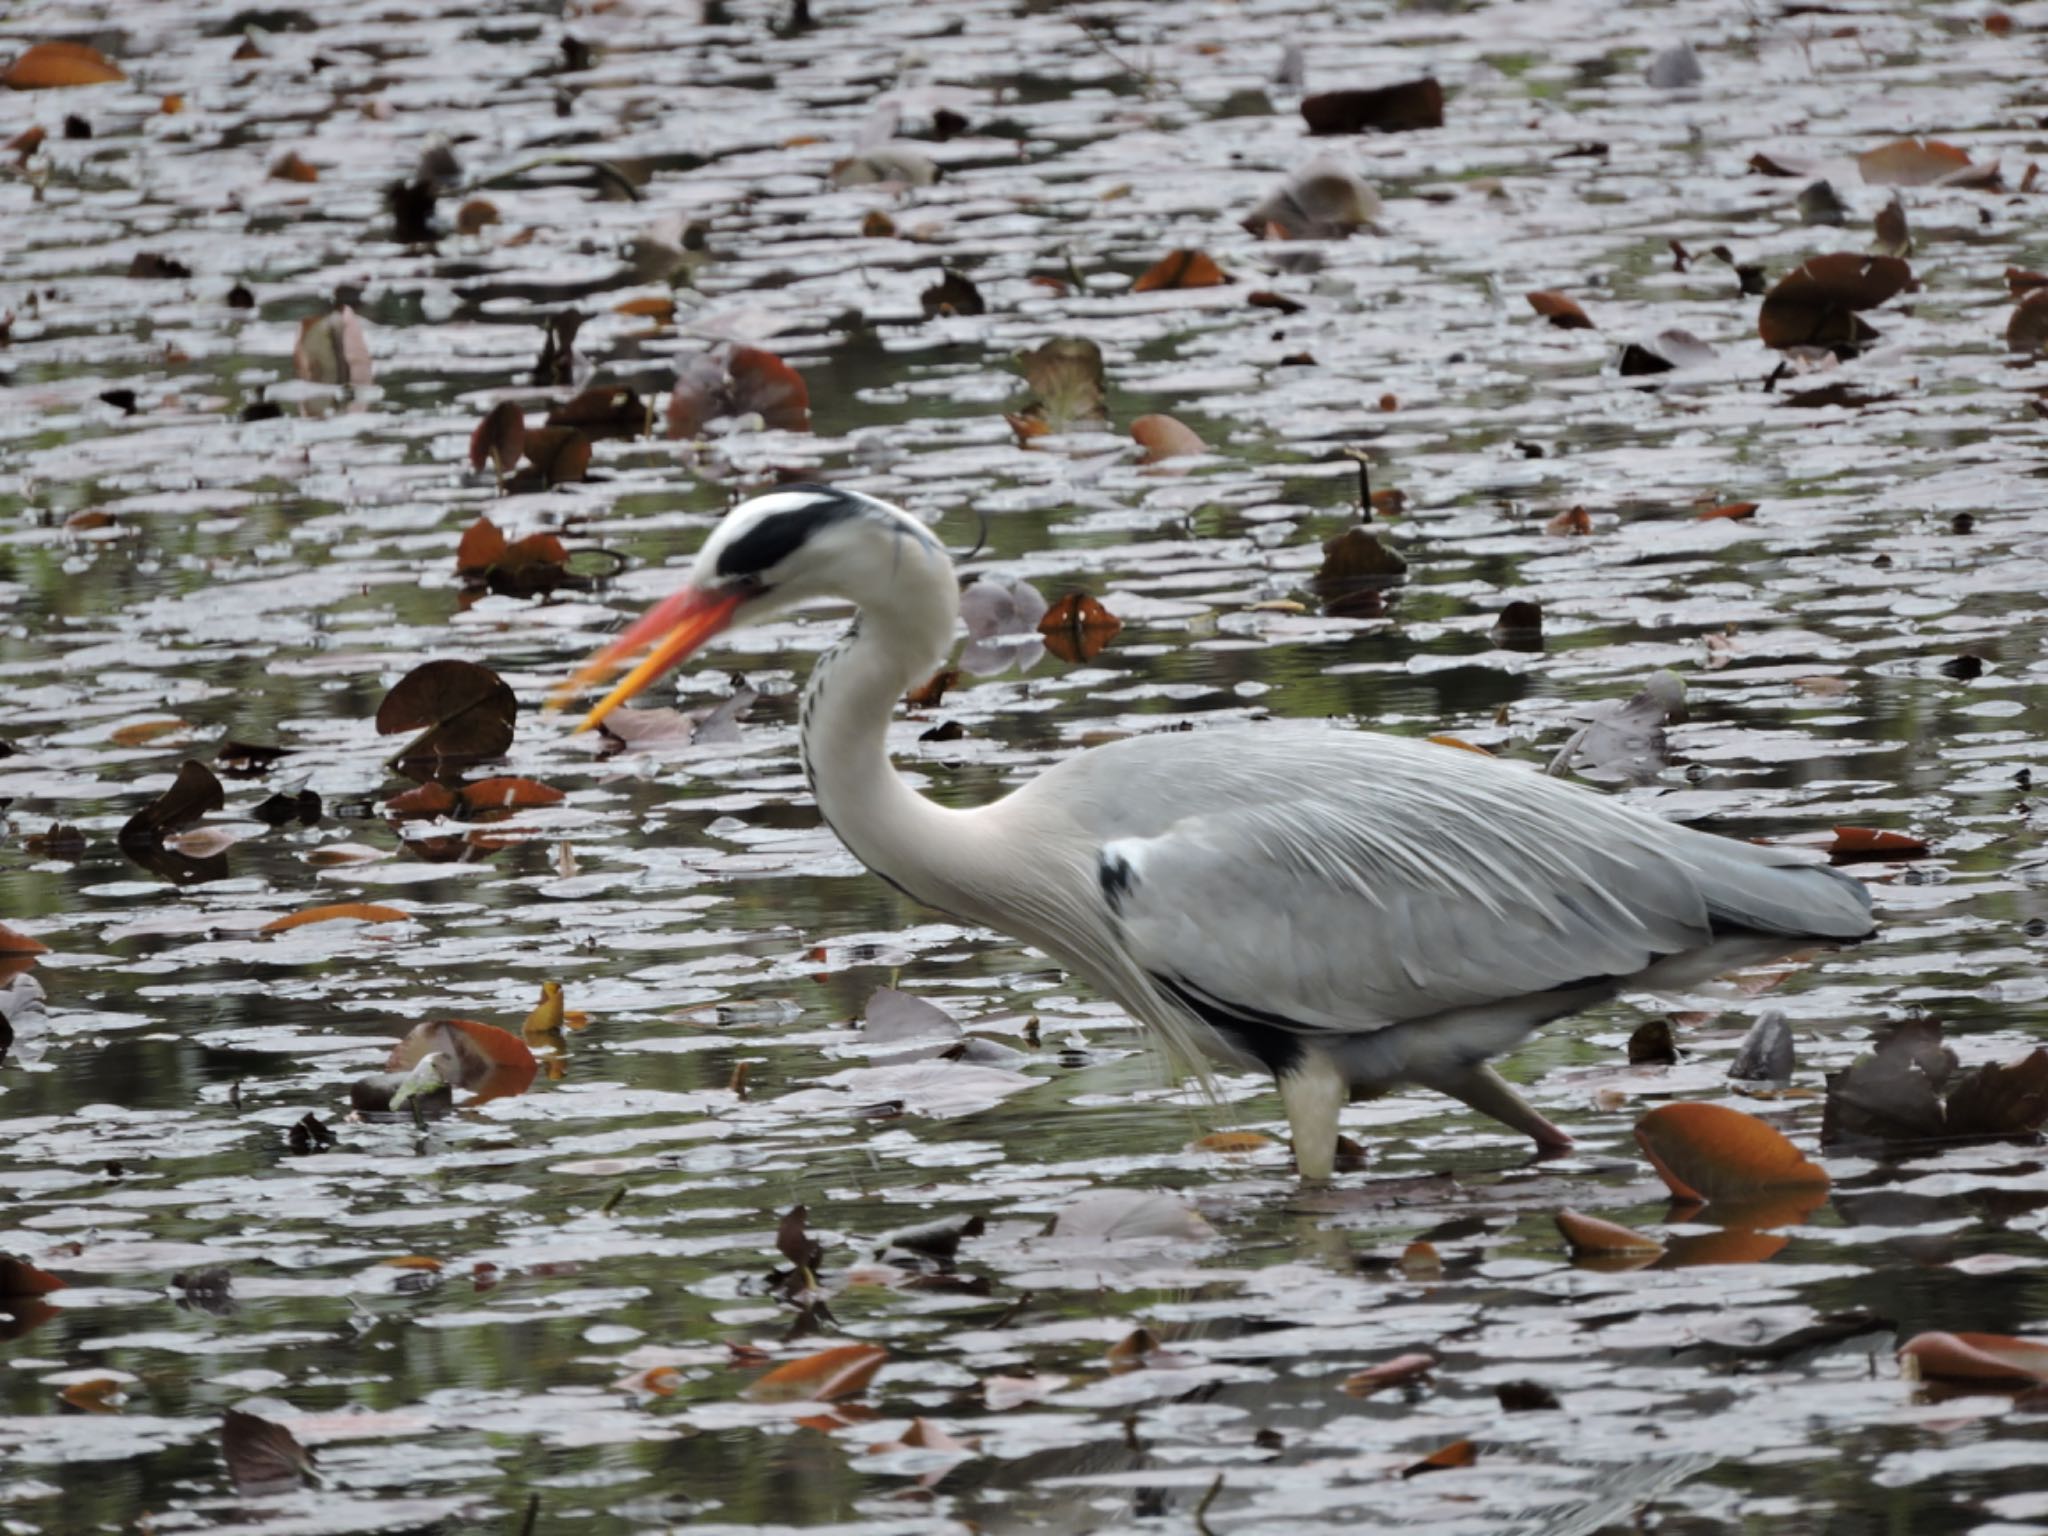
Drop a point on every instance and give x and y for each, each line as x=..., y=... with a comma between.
x=1182, y=269
x=483, y=542
x=1977, y=1357
x=1357, y=556
x=17, y=944
x=431, y=799
x=1162, y=437
x=1067, y=383
x=463, y=712
x=2001, y=1099
x=1852, y=844
x=923, y=1435
x=1816, y=304
x=1398, y=108
x=738, y=381
x=1589, y=1234
x=506, y=794
x=345, y=911
x=195, y=792
x=1652, y=1046
x=501, y=438
x=1708, y=1152
x=262, y=1457
x=146, y=731
x=332, y=349
x=821, y=1378
x=660, y=311
x=1734, y=510
x=953, y=294
x=2027, y=330
x=290, y=166
x=929, y=693
x=558, y=455
x=1561, y=310
x=610, y=410
x=46, y=66
x=1397, y=1372
x=494, y=1062
x=1894, y=234
x=1911, y=163
x=1459, y=1453
x=475, y=215
x=2019, y=281
x=1575, y=522
x=20, y=1279
x=1231, y=1141
x=1077, y=628
x=97, y=1394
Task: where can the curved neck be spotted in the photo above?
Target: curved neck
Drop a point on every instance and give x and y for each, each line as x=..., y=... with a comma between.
x=843, y=732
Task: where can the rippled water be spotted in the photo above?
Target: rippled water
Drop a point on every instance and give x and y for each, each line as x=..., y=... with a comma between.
x=267, y=580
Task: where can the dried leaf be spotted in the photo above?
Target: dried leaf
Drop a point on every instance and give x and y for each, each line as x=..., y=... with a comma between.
x=48, y=66
x=1231, y=1142
x=1401, y=108
x=1397, y=1372
x=430, y=799
x=501, y=438
x=821, y=1378
x=1077, y=628
x=1816, y=305
x=1561, y=310
x=290, y=166
x=610, y=410
x=506, y=794
x=660, y=311
x=953, y=294
x=346, y=911
x=2027, y=330
x=1572, y=523
x=16, y=945
x=1708, y=1152
x=475, y=216
x=143, y=732
x=1911, y=163
x=1765, y=1054
x=1182, y=269
x=1067, y=383
x=463, y=712
x=1589, y=1234
x=494, y=1062
x=1853, y=844
x=1459, y=1453
x=1652, y=1045
x=1163, y=438
x=559, y=455
x=262, y=1457
x=1734, y=511
x=194, y=793
x=1976, y=1357
x=20, y=1279
x=736, y=382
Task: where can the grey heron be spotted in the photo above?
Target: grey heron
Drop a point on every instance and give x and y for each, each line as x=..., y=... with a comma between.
x=1347, y=910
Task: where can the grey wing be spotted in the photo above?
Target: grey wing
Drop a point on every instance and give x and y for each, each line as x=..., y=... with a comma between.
x=1350, y=916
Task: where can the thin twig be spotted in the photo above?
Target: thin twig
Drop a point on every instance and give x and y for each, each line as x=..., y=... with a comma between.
x=1144, y=77
x=533, y=1514
x=1202, y=1509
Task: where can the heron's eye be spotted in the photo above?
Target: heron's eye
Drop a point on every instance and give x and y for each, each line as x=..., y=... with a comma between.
x=749, y=585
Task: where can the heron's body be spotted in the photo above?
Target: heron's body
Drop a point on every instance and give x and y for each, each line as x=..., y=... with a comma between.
x=1350, y=911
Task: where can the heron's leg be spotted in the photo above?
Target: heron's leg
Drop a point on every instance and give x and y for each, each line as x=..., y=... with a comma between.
x=1488, y=1092
x=1314, y=1091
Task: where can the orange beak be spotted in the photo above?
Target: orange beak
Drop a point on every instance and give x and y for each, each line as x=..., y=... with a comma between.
x=682, y=624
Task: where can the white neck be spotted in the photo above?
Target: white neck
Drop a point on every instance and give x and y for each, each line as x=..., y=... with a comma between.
x=919, y=847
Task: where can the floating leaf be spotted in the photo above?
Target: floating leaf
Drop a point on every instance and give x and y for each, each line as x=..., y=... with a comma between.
x=736, y=382
x=146, y=731
x=430, y=799
x=661, y=311
x=1077, y=628
x=2027, y=330
x=1067, y=383
x=19, y=1279
x=1231, y=1142
x=1911, y=163
x=610, y=410
x=1976, y=1357
x=923, y=1435
x=494, y=1062
x=1589, y=1234
x=1401, y=108
x=501, y=438
x=347, y=911
x=559, y=455
x=17, y=944
x=1765, y=1054
x=1397, y=1372
x=463, y=712
x=332, y=349
x=194, y=793
x=1163, y=438
x=1182, y=269
x=506, y=794
x=1560, y=309
x=49, y=66
x=96, y=1394
x=262, y=1457
x=952, y=294
x=1816, y=305
x=1708, y=1152
x=1575, y=522
x=291, y=166
x=1910, y=1090
x=1459, y=1453
x=529, y=567
x=1853, y=844
x=821, y=1378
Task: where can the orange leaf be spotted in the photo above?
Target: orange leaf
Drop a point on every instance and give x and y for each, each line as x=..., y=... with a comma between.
x=1459, y=1453
x=20, y=1278
x=501, y=794
x=427, y=800
x=660, y=311
x=145, y=731
x=1729, y=1245
x=1396, y=1372
x=1559, y=309
x=1461, y=745
x=494, y=1062
x=1077, y=628
x=1911, y=162
x=655, y=1381
x=1162, y=437
x=411, y=1261
x=1589, y=1234
x=1567, y=524
x=48, y=65
x=1182, y=269
x=1734, y=509
x=345, y=911
x=12, y=943
x=1977, y=1357
x=291, y=166
x=1709, y=1152
x=1231, y=1141
x=1869, y=843
x=95, y=1395
x=483, y=542
x=1816, y=304
x=821, y=1378
x=1421, y=1261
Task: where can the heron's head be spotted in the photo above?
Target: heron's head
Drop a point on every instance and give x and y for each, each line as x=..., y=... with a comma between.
x=769, y=555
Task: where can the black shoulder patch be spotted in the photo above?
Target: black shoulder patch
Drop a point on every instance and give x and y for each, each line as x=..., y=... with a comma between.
x=780, y=532
x=1118, y=880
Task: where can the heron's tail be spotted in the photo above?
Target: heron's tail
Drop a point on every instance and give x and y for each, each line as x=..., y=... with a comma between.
x=1777, y=890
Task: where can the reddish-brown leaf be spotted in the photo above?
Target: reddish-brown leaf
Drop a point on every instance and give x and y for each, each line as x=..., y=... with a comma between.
x=1977, y=1357
x=145, y=731
x=430, y=799
x=824, y=1377
x=483, y=541
x=1911, y=163
x=291, y=166
x=46, y=66
x=660, y=311
x=463, y=712
x=16, y=944
x=19, y=1278
x=2027, y=330
x=1162, y=437
x=501, y=438
x=506, y=794
x=1574, y=522
x=1735, y=510
x=1816, y=304
x=195, y=792
x=343, y=911
x=1708, y=1152
x=1459, y=1453
x=1589, y=1234
x=1398, y=108
x=559, y=455
x=610, y=410
x=1182, y=269
x=1077, y=628
x=1231, y=1142
x=493, y=1062
x=1397, y=1372
x=1854, y=843
x=1560, y=309
x=262, y=1457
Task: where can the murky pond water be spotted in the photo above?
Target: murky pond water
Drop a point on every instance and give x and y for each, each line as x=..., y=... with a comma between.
x=566, y=1293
